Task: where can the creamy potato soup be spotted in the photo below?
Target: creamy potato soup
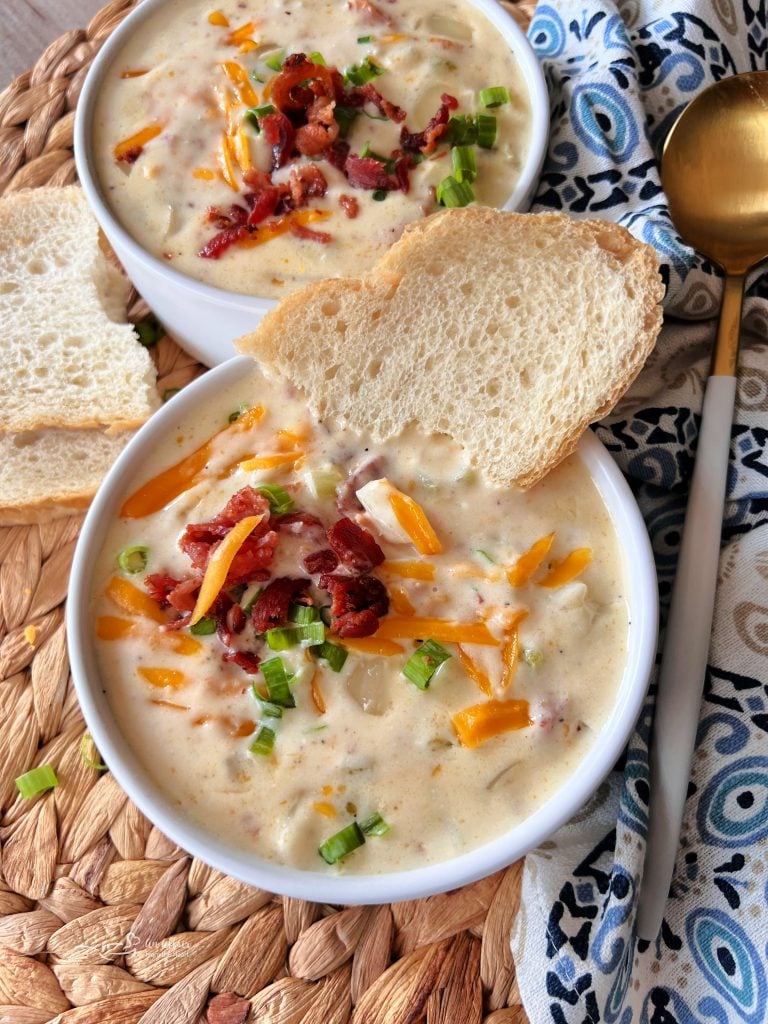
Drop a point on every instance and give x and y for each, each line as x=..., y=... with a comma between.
x=335, y=653
x=259, y=144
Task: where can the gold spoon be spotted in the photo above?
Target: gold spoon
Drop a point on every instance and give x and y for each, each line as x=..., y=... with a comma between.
x=714, y=171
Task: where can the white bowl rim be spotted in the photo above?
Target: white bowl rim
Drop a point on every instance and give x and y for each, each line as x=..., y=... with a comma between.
x=500, y=18
x=642, y=600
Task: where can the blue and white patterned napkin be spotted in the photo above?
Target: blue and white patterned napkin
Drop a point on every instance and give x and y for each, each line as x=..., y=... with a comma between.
x=619, y=73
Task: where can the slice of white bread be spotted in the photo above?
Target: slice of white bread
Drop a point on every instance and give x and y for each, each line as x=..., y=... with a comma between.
x=510, y=332
x=69, y=359
x=50, y=473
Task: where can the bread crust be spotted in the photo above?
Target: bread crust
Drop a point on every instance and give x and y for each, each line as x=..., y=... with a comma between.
x=45, y=510
x=603, y=274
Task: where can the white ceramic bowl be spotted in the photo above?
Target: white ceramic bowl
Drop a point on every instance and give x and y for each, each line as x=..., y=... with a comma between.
x=641, y=597
x=204, y=319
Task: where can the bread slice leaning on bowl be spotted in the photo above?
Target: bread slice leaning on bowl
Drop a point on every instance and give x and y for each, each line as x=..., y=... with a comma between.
x=510, y=332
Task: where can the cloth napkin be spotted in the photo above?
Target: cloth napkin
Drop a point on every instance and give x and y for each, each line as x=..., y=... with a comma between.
x=619, y=73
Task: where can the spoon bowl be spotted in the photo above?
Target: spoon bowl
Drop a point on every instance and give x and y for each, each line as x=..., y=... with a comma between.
x=714, y=172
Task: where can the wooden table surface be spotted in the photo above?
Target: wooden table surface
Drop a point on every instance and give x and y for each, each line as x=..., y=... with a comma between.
x=28, y=26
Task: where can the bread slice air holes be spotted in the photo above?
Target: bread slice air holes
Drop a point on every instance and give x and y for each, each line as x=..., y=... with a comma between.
x=580, y=318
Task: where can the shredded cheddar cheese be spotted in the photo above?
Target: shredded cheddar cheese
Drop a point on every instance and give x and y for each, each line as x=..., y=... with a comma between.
x=480, y=722
x=270, y=461
x=413, y=519
x=109, y=627
x=239, y=35
x=374, y=645
x=128, y=597
x=410, y=570
x=527, y=564
x=416, y=627
x=163, y=488
x=219, y=563
x=568, y=569
x=161, y=677
x=136, y=141
x=474, y=671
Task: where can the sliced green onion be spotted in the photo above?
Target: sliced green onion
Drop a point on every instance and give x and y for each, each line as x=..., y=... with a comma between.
x=278, y=682
x=37, y=780
x=374, y=825
x=170, y=392
x=367, y=151
x=532, y=657
x=462, y=130
x=237, y=413
x=379, y=194
x=133, y=559
x=263, y=741
x=424, y=662
x=253, y=114
x=344, y=118
x=486, y=130
x=203, y=627
x=495, y=96
x=248, y=607
x=317, y=58
x=275, y=60
x=282, y=638
x=86, y=758
x=257, y=77
x=268, y=708
x=364, y=72
x=149, y=331
x=464, y=164
x=454, y=193
x=486, y=556
x=333, y=654
x=364, y=39
x=341, y=844
x=279, y=499
x=301, y=614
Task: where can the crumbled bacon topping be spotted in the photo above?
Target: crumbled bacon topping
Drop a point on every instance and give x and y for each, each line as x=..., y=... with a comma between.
x=321, y=561
x=305, y=124
x=356, y=547
x=366, y=172
x=248, y=661
x=372, y=15
x=437, y=126
x=357, y=603
x=253, y=557
x=222, y=241
x=280, y=134
x=271, y=607
x=306, y=182
x=349, y=205
x=300, y=231
x=390, y=110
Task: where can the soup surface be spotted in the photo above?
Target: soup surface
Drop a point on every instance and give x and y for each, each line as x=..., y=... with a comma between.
x=302, y=635
x=252, y=170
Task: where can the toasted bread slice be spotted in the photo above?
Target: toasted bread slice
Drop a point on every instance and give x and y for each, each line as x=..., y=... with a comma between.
x=510, y=332
x=69, y=358
x=49, y=473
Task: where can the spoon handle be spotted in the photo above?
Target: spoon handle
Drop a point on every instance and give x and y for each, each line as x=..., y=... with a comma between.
x=684, y=658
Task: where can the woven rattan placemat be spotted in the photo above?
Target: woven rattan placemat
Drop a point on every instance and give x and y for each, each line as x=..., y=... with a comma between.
x=102, y=919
